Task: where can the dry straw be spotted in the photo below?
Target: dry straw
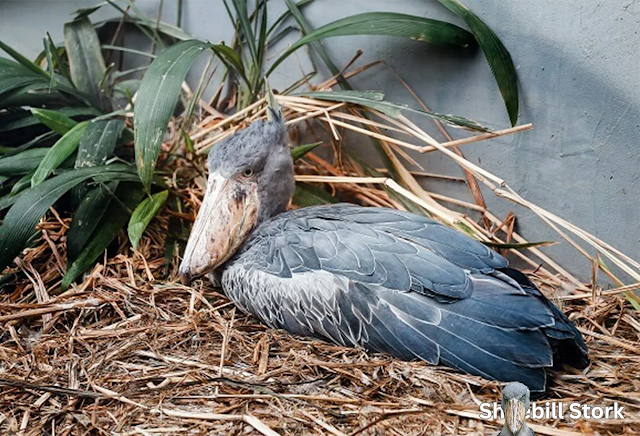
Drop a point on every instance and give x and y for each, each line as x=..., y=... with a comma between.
x=129, y=351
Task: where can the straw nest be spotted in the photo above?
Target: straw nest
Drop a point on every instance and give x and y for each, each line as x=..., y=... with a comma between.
x=130, y=351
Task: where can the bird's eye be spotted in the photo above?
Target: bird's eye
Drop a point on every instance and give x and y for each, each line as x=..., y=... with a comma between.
x=248, y=172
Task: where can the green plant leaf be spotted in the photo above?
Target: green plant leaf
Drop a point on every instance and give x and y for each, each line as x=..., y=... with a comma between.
x=85, y=12
x=285, y=15
x=386, y=23
x=32, y=204
x=22, y=184
x=55, y=55
x=306, y=195
x=85, y=61
x=143, y=215
x=57, y=154
x=375, y=100
x=98, y=142
x=301, y=150
x=106, y=231
x=231, y=59
x=306, y=29
x=43, y=139
x=518, y=246
x=156, y=101
x=30, y=90
x=162, y=27
x=24, y=61
x=127, y=87
x=32, y=94
x=87, y=217
x=14, y=76
x=49, y=58
x=128, y=50
x=96, y=145
x=496, y=53
x=188, y=143
x=8, y=200
x=57, y=121
x=23, y=162
x=28, y=119
x=247, y=32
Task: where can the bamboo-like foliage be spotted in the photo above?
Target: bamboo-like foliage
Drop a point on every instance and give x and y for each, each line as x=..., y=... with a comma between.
x=66, y=108
x=81, y=88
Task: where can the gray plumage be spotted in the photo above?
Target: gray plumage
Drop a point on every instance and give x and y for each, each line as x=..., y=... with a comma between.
x=261, y=148
x=385, y=280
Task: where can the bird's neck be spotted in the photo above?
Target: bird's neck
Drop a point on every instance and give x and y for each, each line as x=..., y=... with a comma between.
x=276, y=194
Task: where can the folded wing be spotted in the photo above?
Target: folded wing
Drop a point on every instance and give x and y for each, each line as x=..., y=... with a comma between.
x=401, y=284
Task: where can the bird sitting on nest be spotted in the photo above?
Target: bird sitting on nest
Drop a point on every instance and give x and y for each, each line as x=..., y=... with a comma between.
x=380, y=279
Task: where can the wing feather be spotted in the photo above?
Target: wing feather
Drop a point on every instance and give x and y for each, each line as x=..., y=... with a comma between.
x=393, y=282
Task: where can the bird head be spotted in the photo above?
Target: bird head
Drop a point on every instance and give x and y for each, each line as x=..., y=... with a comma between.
x=250, y=180
x=515, y=403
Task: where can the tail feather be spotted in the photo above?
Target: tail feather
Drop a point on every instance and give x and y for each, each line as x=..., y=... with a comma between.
x=565, y=339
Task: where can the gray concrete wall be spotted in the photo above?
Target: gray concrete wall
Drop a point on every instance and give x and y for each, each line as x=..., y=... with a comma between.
x=579, y=69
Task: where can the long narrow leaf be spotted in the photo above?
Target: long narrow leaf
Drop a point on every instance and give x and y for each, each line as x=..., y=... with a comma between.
x=57, y=121
x=98, y=142
x=497, y=56
x=29, y=120
x=49, y=58
x=55, y=55
x=243, y=16
x=375, y=100
x=285, y=15
x=22, y=184
x=162, y=27
x=24, y=61
x=86, y=61
x=306, y=195
x=24, y=91
x=231, y=59
x=8, y=201
x=57, y=154
x=301, y=150
x=156, y=101
x=149, y=28
x=14, y=76
x=89, y=213
x=21, y=220
x=44, y=139
x=96, y=145
x=23, y=162
x=306, y=29
x=85, y=12
x=106, y=231
x=386, y=23
x=143, y=215
x=518, y=246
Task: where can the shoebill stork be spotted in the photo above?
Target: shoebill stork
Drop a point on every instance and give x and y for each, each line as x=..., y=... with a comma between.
x=515, y=404
x=380, y=279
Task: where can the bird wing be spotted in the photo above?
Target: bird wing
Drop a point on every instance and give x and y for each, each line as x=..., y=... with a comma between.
x=394, y=249
x=395, y=283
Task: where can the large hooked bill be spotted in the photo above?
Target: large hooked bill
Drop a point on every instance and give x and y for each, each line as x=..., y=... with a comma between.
x=515, y=415
x=228, y=213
